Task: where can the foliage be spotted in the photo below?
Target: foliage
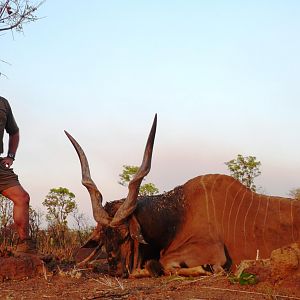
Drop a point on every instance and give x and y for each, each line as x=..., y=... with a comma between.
x=35, y=222
x=295, y=193
x=244, y=279
x=61, y=246
x=8, y=235
x=15, y=13
x=60, y=203
x=147, y=189
x=7, y=230
x=127, y=174
x=245, y=169
x=82, y=225
x=6, y=212
x=58, y=240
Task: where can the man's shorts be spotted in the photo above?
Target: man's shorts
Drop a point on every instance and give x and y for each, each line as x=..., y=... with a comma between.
x=7, y=178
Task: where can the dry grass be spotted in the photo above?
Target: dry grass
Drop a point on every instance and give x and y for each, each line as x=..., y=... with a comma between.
x=60, y=243
x=111, y=282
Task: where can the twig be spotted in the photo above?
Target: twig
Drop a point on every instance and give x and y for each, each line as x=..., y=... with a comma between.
x=1, y=74
x=45, y=272
x=5, y=62
x=105, y=281
x=110, y=283
x=121, y=285
x=188, y=280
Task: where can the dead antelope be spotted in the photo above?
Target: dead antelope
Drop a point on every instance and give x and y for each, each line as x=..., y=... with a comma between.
x=210, y=221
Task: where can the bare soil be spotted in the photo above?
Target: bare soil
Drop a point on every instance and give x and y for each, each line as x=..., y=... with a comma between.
x=95, y=284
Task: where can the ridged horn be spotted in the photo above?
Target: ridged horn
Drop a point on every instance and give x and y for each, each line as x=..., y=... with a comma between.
x=100, y=215
x=128, y=207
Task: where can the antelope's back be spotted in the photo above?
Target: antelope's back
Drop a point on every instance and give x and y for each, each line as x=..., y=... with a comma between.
x=221, y=209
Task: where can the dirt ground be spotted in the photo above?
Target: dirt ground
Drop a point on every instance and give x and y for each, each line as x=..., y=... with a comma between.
x=88, y=284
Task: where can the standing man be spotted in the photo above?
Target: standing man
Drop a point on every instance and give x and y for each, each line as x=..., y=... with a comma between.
x=10, y=186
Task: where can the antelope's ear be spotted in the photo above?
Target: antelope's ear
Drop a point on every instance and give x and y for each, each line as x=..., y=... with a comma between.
x=135, y=230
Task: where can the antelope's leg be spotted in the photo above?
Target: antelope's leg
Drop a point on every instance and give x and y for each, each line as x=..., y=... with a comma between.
x=195, y=271
x=140, y=273
x=136, y=256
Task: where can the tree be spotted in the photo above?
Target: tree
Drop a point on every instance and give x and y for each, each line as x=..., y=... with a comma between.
x=35, y=221
x=60, y=203
x=147, y=189
x=83, y=227
x=7, y=231
x=295, y=193
x=6, y=212
x=15, y=13
x=245, y=169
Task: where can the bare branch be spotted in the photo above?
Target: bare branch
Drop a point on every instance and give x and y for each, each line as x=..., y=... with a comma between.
x=15, y=13
x=3, y=61
x=1, y=74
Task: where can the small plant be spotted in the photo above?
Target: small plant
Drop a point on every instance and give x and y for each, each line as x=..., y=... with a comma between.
x=244, y=279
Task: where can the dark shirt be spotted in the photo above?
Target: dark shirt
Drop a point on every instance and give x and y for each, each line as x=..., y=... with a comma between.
x=7, y=121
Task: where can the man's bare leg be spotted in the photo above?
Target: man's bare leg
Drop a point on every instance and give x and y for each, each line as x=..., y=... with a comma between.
x=21, y=199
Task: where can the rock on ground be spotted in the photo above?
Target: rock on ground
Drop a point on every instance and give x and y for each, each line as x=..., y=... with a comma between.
x=24, y=266
x=283, y=264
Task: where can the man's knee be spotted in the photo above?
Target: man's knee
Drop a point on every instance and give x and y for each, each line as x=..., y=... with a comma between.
x=25, y=198
x=21, y=198
x=18, y=195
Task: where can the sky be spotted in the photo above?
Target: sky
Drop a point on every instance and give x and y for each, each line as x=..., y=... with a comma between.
x=223, y=77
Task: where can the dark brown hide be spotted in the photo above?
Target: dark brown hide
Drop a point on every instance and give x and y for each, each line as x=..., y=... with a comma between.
x=161, y=217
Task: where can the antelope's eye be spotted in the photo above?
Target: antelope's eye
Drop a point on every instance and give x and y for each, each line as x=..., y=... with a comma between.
x=111, y=257
x=123, y=232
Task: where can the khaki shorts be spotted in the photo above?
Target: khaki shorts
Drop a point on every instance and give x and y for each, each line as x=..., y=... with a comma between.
x=7, y=178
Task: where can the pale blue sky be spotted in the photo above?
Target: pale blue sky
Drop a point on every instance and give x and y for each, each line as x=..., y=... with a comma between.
x=223, y=77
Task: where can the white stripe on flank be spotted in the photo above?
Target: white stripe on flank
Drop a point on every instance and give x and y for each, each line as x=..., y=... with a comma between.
x=236, y=217
x=280, y=220
x=224, y=208
x=292, y=218
x=232, y=204
x=254, y=221
x=207, y=209
x=252, y=196
x=213, y=203
x=265, y=221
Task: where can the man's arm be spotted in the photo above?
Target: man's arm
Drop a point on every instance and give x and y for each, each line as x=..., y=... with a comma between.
x=13, y=144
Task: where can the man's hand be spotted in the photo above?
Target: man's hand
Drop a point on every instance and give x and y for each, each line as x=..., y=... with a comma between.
x=7, y=162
